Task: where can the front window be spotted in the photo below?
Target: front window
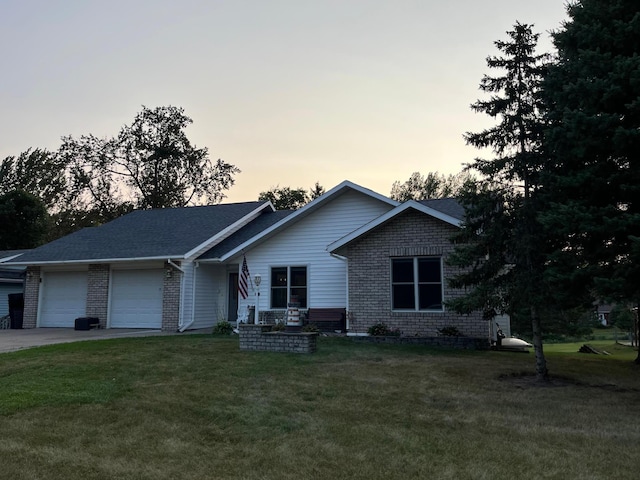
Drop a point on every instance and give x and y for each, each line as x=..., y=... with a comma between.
x=288, y=285
x=416, y=283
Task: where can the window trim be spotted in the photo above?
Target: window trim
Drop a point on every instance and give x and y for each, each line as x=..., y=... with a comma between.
x=289, y=286
x=416, y=285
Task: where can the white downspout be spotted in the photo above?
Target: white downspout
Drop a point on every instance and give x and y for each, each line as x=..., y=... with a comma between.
x=193, y=301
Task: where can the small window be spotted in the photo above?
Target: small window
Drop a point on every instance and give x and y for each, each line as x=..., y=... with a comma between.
x=416, y=283
x=288, y=285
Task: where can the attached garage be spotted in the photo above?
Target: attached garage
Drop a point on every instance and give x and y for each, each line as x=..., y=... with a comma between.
x=64, y=298
x=136, y=298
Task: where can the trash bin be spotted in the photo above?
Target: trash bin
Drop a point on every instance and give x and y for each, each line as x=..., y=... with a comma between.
x=86, y=323
x=16, y=309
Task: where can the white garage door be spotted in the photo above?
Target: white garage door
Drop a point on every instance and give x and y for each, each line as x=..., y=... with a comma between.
x=64, y=298
x=136, y=298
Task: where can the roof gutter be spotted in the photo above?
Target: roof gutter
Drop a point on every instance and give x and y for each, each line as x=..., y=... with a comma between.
x=85, y=261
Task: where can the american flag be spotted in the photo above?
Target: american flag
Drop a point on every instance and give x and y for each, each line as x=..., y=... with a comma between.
x=245, y=278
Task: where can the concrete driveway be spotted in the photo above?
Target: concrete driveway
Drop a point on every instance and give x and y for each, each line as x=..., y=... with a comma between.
x=11, y=340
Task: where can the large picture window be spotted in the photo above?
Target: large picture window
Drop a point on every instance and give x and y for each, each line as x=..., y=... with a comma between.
x=416, y=283
x=288, y=285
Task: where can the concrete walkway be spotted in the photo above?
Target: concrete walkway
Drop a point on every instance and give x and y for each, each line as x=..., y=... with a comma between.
x=11, y=340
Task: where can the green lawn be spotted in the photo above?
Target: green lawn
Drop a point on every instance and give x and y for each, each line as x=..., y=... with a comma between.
x=195, y=407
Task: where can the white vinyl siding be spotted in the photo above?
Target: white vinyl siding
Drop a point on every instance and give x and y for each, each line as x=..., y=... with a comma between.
x=210, y=292
x=63, y=298
x=305, y=244
x=136, y=298
x=5, y=290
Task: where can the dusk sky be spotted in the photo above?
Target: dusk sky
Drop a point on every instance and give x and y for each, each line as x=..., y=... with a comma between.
x=290, y=91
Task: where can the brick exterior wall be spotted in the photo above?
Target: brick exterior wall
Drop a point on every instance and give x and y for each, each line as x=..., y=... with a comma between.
x=31, y=293
x=261, y=338
x=171, y=300
x=460, y=343
x=98, y=292
x=410, y=234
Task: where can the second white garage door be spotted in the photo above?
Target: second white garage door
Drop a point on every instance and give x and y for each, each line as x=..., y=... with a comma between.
x=136, y=298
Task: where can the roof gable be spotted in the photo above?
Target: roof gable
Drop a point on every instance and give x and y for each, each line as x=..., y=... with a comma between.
x=298, y=215
x=411, y=204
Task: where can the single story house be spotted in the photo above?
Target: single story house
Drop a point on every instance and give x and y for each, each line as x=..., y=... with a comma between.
x=176, y=269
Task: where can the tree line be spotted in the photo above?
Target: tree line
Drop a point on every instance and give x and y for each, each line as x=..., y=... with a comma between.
x=88, y=181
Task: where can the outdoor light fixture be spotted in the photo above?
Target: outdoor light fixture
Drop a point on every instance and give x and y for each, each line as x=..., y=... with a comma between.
x=257, y=279
x=168, y=272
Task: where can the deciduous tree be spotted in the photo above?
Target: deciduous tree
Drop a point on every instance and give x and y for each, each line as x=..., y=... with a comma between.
x=316, y=191
x=150, y=163
x=433, y=185
x=39, y=172
x=287, y=198
x=23, y=221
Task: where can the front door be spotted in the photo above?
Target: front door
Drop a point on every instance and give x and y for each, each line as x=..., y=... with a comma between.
x=233, y=297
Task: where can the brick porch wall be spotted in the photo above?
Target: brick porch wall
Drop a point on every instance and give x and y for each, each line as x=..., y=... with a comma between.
x=411, y=234
x=171, y=300
x=260, y=338
x=31, y=294
x=98, y=292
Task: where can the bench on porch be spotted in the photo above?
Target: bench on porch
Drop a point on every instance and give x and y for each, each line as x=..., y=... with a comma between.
x=328, y=319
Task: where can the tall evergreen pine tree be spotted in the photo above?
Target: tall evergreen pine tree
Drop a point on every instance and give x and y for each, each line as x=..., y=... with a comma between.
x=500, y=244
x=593, y=99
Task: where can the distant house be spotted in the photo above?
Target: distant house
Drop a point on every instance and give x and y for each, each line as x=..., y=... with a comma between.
x=603, y=312
x=350, y=250
x=11, y=279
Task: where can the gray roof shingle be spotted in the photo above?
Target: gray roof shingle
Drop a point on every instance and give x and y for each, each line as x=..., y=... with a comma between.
x=448, y=206
x=167, y=232
x=264, y=221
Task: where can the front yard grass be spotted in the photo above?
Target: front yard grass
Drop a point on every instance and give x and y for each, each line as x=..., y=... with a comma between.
x=195, y=407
